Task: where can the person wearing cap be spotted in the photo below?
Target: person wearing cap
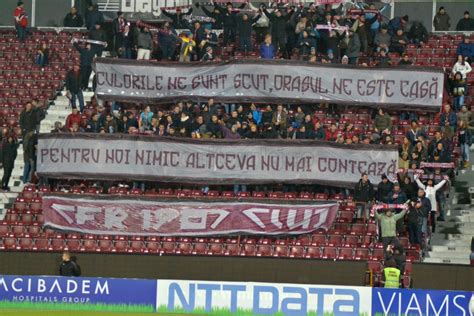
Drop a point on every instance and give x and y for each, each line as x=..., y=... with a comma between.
x=21, y=21
x=73, y=19
x=397, y=23
x=466, y=23
x=208, y=55
x=177, y=19
x=118, y=27
x=382, y=39
x=418, y=33
x=442, y=21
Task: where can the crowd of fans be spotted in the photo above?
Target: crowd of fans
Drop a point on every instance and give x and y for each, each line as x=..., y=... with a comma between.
x=312, y=33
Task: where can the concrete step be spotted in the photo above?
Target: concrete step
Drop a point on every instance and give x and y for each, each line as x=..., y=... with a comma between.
x=449, y=254
x=447, y=260
x=451, y=248
x=438, y=238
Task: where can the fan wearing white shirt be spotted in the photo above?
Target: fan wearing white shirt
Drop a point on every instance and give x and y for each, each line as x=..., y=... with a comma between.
x=430, y=191
x=461, y=66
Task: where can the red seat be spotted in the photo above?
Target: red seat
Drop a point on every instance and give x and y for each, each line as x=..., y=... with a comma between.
x=73, y=245
x=264, y=250
x=280, y=251
x=305, y=195
x=120, y=246
x=318, y=240
x=366, y=241
x=321, y=196
x=18, y=230
x=351, y=241
x=27, y=218
x=374, y=266
x=408, y=268
x=199, y=248
x=105, y=245
x=136, y=191
x=304, y=240
x=361, y=254
x=197, y=193
x=153, y=247
x=345, y=254
x=57, y=244
x=377, y=254
x=296, y=252
x=232, y=249
x=228, y=194
x=371, y=229
x=329, y=253
x=168, y=247
x=41, y=244
x=357, y=229
x=248, y=250
x=346, y=217
x=215, y=249
x=334, y=240
x=9, y=243
x=91, y=245
x=4, y=230
x=413, y=255
x=137, y=246
x=313, y=252
x=25, y=243
x=258, y=194
x=213, y=193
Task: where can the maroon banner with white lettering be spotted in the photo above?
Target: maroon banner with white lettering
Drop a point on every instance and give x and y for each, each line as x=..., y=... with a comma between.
x=112, y=215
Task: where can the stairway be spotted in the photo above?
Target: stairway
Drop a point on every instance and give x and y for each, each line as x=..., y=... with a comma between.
x=57, y=111
x=452, y=241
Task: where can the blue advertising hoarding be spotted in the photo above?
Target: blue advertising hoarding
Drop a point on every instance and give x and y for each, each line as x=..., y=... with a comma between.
x=421, y=302
x=49, y=292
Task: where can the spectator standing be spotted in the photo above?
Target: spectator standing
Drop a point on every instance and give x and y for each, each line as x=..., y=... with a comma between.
x=87, y=58
x=167, y=38
x=363, y=195
x=9, y=152
x=28, y=121
x=209, y=39
x=442, y=21
x=73, y=118
x=464, y=115
x=29, y=148
x=74, y=87
x=466, y=49
x=418, y=211
x=177, y=19
x=187, y=47
x=465, y=142
x=353, y=48
x=448, y=118
x=69, y=267
x=21, y=21
x=267, y=50
x=93, y=16
x=383, y=189
x=415, y=133
x=305, y=44
x=391, y=275
x=229, y=21
x=404, y=153
x=382, y=122
x=278, y=25
x=144, y=44
x=262, y=22
x=388, y=225
x=466, y=23
x=280, y=119
x=98, y=34
x=118, y=27
x=244, y=30
x=73, y=19
x=430, y=191
x=397, y=23
x=127, y=43
x=144, y=123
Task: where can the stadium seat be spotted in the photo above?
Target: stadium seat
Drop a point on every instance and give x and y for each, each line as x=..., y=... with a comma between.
x=168, y=247
x=248, y=250
x=313, y=252
x=361, y=254
x=377, y=254
x=90, y=245
x=73, y=245
x=345, y=254
x=329, y=253
x=184, y=248
x=137, y=246
x=215, y=249
x=264, y=250
x=351, y=241
x=25, y=244
x=232, y=249
x=153, y=247
x=105, y=245
x=199, y=248
x=297, y=252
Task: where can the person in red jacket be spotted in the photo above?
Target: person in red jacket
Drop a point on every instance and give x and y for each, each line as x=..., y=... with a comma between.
x=21, y=21
x=332, y=133
x=73, y=118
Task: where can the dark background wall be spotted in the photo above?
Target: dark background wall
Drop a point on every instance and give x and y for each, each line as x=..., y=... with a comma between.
x=275, y=270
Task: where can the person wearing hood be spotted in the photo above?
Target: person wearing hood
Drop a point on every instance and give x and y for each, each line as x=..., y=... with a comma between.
x=442, y=21
x=398, y=42
x=418, y=33
x=466, y=23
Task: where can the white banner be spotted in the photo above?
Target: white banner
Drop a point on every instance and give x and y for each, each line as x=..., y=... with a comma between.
x=249, y=298
x=269, y=81
x=115, y=156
